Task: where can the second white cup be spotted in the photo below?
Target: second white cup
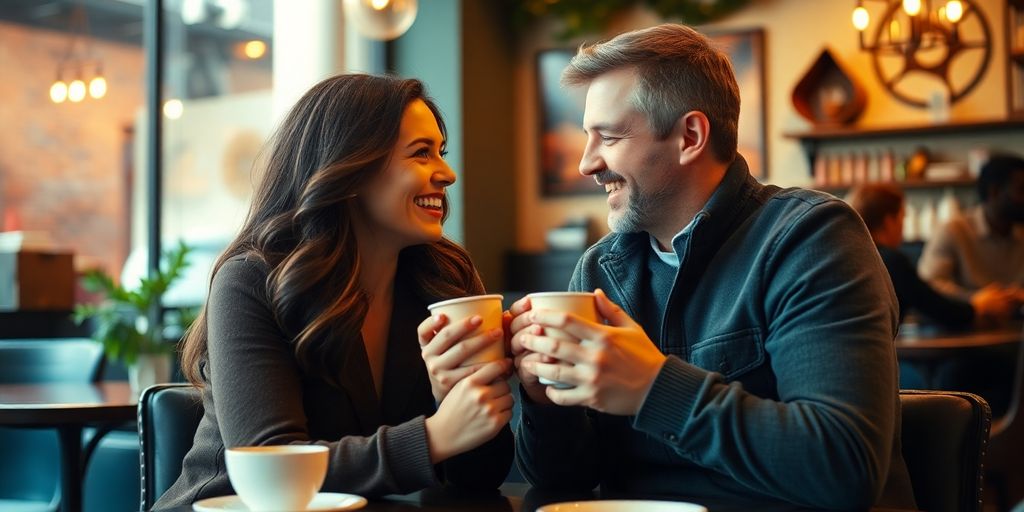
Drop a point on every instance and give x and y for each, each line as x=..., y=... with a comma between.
x=282, y=477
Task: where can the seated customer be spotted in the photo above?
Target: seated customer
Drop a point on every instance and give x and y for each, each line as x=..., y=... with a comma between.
x=882, y=208
x=986, y=244
x=312, y=332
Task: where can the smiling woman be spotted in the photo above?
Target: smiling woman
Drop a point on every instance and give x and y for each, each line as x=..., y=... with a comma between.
x=309, y=335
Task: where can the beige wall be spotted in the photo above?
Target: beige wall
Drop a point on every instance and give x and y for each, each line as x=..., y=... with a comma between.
x=796, y=31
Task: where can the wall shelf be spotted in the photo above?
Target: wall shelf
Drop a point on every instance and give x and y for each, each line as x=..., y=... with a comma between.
x=907, y=185
x=811, y=140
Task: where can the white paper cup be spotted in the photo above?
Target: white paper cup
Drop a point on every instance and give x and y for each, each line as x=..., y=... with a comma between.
x=284, y=477
x=489, y=309
x=581, y=304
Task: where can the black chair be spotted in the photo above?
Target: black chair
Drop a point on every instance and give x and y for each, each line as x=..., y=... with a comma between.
x=29, y=458
x=169, y=415
x=945, y=434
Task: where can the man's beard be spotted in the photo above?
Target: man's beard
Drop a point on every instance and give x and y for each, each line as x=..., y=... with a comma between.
x=640, y=210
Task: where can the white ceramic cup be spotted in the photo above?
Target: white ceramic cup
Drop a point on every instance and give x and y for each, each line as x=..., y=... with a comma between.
x=581, y=304
x=489, y=309
x=284, y=477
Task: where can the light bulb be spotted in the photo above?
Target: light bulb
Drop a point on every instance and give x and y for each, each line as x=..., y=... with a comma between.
x=98, y=87
x=59, y=91
x=255, y=49
x=76, y=91
x=382, y=20
x=173, y=108
x=912, y=7
x=954, y=10
x=861, y=18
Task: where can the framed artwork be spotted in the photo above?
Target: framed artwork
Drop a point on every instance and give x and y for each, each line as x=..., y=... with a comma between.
x=562, y=139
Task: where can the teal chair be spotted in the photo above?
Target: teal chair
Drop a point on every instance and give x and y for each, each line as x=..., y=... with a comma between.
x=30, y=458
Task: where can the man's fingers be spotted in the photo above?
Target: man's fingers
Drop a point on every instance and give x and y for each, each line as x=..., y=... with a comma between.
x=558, y=348
x=611, y=311
x=558, y=372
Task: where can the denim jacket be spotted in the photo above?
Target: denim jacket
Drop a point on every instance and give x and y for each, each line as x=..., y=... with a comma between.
x=781, y=381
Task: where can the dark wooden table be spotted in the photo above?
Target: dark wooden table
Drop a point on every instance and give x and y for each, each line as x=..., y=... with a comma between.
x=926, y=347
x=518, y=497
x=69, y=408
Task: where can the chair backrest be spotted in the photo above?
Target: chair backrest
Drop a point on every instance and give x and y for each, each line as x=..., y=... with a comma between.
x=1008, y=431
x=50, y=360
x=945, y=434
x=29, y=458
x=169, y=415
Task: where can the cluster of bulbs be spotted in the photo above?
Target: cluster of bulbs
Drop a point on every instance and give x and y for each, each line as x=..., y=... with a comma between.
x=952, y=11
x=75, y=90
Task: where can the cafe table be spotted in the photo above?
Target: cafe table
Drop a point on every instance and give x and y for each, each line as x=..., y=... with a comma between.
x=520, y=497
x=927, y=347
x=69, y=408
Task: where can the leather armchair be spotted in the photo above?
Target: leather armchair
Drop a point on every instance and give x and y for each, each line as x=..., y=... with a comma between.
x=945, y=434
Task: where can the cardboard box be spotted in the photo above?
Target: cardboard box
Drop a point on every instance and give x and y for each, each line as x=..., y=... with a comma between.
x=36, y=281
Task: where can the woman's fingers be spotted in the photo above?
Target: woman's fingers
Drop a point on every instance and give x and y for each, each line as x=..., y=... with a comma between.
x=450, y=334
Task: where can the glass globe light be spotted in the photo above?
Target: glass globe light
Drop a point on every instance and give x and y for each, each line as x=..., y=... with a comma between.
x=58, y=91
x=861, y=18
x=382, y=20
x=76, y=91
x=954, y=10
x=98, y=87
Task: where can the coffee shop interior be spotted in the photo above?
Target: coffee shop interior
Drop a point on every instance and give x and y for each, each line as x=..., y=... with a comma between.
x=132, y=128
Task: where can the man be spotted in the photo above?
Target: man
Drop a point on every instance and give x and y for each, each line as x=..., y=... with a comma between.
x=746, y=350
x=881, y=205
x=986, y=245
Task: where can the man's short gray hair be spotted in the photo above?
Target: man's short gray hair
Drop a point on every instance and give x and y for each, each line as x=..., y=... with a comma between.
x=678, y=71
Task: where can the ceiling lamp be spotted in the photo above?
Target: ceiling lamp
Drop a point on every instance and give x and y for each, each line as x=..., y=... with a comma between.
x=382, y=20
x=78, y=59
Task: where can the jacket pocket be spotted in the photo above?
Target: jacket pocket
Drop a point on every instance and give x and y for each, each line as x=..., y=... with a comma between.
x=731, y=354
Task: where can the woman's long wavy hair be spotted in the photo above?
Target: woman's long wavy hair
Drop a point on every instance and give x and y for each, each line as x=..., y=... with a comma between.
x=330, y=145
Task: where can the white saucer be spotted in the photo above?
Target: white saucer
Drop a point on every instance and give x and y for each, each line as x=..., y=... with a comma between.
x=621, y=505
x=322, y=502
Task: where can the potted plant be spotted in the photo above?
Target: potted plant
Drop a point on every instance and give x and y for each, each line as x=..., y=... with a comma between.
x=121, y=320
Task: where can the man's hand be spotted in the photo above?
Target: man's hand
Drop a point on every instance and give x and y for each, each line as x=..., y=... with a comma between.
x=517, y=323
x=612, y=369
x=993, y=305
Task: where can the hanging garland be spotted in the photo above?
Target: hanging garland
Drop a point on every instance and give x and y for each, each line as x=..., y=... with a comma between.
x=580, y=17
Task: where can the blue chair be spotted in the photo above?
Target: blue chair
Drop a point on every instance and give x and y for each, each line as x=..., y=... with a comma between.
x=29, y=458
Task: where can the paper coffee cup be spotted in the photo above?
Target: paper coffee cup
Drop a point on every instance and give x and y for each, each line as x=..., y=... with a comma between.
x=581, y=304
x=489, y=309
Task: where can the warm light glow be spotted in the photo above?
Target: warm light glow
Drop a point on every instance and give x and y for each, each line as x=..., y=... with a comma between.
x=861, y=18
x=379, y=5
x=173, y=108
x=76, y=91
x=98, y=87
x=894, y=30
x=255, y=49
x=912, y=7
x=58, y=92
x=954, y=10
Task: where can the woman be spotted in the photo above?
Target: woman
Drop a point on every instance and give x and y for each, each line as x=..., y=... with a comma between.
x=309, y=334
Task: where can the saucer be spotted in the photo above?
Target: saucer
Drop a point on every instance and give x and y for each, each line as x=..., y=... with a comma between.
x=322, y=502
x=620, y=505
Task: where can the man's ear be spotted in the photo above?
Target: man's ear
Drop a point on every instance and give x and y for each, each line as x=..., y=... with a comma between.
x=693, y=133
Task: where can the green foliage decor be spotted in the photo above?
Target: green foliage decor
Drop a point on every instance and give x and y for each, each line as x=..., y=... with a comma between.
x=121, y=322
x=592, y=16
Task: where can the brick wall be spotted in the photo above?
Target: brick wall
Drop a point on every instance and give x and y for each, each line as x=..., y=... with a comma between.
x=64, y=167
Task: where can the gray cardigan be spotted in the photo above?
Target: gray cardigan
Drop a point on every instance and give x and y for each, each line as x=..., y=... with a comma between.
x=255, y=394
x=781, y=380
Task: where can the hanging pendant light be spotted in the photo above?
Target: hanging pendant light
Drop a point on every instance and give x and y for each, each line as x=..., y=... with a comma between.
x=382, y=20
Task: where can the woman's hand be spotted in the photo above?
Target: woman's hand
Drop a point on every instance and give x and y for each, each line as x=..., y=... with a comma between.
x=475, y=410
x=446, y=347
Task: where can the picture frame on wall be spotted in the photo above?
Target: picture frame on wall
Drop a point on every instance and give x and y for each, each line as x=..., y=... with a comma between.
x=562, y=140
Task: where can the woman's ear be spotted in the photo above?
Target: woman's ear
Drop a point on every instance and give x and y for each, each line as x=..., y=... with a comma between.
x=693, y=132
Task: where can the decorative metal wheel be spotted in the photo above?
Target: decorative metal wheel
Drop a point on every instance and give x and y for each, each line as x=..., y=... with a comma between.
x=933, y=51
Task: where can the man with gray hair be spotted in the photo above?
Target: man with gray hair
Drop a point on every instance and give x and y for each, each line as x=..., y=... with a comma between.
x=745, y=343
